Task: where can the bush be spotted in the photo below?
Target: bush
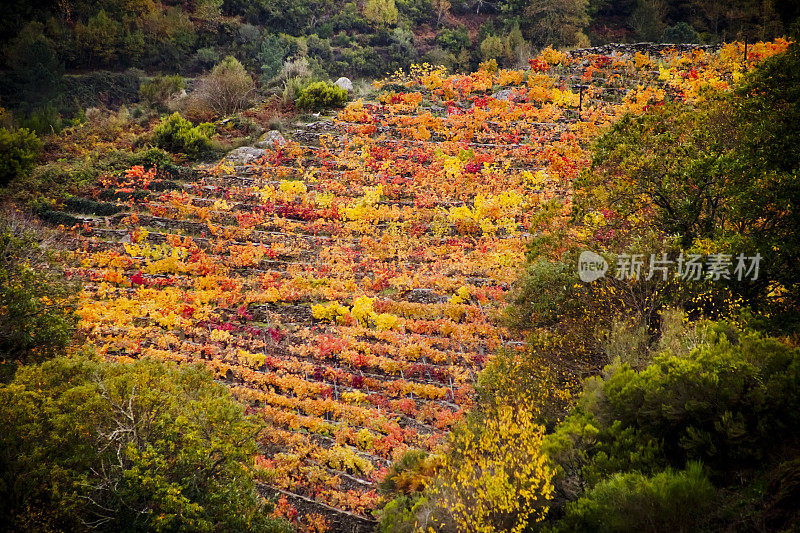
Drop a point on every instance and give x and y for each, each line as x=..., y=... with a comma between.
x=42, y=120
x=492, y=47
x=716, y=394
x=680, y=33
x=158, y=90
x=454, y=40
x=668, y=501
x=35, y=320
x=139, y=446
x=18, y=153
x=227, y=88
x=292, y=88
x=731, y=402
x=321, y=95
x=177, y=135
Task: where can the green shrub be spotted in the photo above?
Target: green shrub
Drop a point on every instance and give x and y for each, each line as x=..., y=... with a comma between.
x=321, y=95
x=177, y=135
x=42, y=120
x=492, y=47
x=668, y=501
x=292, y=88
x=731, y=402
x=680, y=33
x=453, y=40
x=58, y=218
x=144, y=446
x=35, y=320
x=156, y=91
x=153, y=157
x=18, y=153
x=90, y=207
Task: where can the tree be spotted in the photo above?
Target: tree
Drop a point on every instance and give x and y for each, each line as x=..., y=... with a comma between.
x=492, y=47
x=36, y=72
x=648, y=19
x=557, y=22
x=36, y=321
x=442, y=8
x=227, y=88
x=133, y=446
x=381, y=12
x=100, y=38
x=716, y=394
x=495, y=477
x=270, y=57
x=209, y=11
x=19, y=151
x=680, y=33
x=725, y=171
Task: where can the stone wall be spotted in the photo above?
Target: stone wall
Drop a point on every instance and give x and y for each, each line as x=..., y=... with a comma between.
x=644, y=48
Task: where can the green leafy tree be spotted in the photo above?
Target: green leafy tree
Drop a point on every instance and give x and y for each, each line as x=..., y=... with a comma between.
x=100, y=39
x=647, y=19
x=270, y=57
x=557, y=22
x=725, y=172
x=35, y=69
x=454, y=40
x=680, y=33
x=19, y=151
x=36, y=321
x=139, y=446
x=492, y=47
x=381, y=12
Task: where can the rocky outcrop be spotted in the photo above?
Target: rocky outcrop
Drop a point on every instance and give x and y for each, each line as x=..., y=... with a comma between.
x=244, y=155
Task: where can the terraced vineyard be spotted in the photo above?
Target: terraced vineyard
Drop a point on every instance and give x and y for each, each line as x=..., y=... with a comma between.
x=347, y=285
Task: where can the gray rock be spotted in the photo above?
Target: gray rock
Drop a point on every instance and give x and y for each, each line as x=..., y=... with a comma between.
x=505, y=95
x=270, y=138
x=345, y=84
x=244, y=154
x=424, y=296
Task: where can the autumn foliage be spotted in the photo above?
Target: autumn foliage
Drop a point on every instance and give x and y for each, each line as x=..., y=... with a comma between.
x=349, y=288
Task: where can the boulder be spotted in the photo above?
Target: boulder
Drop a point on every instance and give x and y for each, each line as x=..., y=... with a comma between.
x=244, y=154
x=345, y=84
x=505, y=94
x=424, y=296
x=270, y=138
